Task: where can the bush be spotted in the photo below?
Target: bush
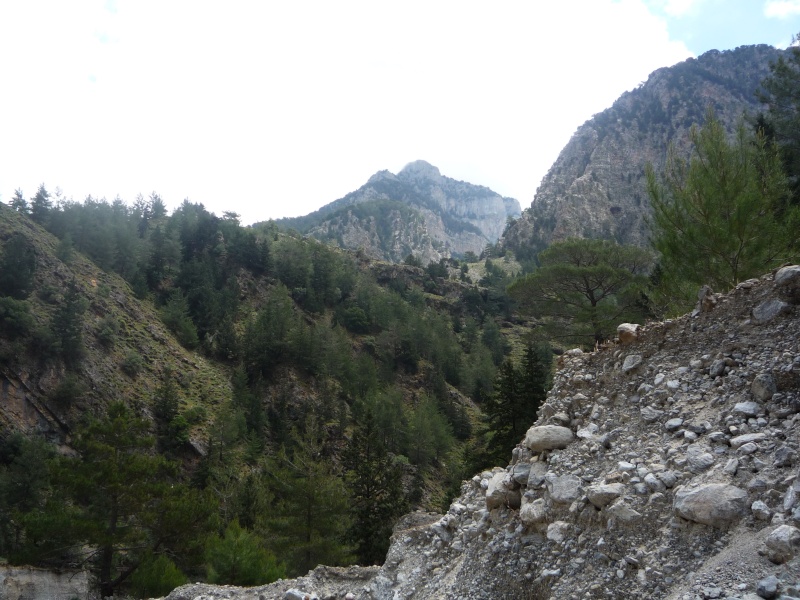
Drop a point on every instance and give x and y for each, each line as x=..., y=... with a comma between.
x=238, y=558
x=156, y=576
x=107, y=332
x=15, y=317
x=132, y=364
x=68, y=391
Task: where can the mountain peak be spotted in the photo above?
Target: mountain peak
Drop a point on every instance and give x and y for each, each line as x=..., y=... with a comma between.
x=420, y=169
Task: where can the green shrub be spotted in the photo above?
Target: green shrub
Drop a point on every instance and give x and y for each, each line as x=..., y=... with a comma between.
x=68, y=391
x=238, y=558
x=15, y=317
x=132, y=364
x=107, y=331
x=156, y=576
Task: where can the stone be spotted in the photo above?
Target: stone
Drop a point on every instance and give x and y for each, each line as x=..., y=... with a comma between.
x=741, y=440
x=767, y=588
x=768, y=310
x=698, y=459
x=563, y=489
x=761, y=511
x=748, y=409
x=631, y=362
x=787, y=280
x=717, y=368
x=295, y=594
x=673, y=424
x=603, y=494
x=621, y=511
x=650, y=414
x=498, y=493
x=536, y=476
x=557, y=532
x=763, y=387
x=782, y=543
x=627, y=333
x=548, y=437
x=716, y=504
x=784, y=457
x=521, y=472
x=533, y=513
x=654, y=483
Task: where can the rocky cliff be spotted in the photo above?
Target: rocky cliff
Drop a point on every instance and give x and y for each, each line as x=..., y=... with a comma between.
x=418, y=211
x=662, y=466
x=597, y=186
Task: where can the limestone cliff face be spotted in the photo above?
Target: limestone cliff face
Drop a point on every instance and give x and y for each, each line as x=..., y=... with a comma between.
x=417, y=211
x=597, y=186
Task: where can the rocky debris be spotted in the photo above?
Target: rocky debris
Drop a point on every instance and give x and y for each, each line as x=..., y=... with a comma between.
x=676, y=479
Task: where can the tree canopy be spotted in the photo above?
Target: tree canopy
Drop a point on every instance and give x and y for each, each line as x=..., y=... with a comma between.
x=585, y=288
x=720, y=217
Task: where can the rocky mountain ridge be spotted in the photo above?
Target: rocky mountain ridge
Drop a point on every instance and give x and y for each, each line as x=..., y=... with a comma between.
x=661, y=466
x=597, y=186
x=417, y=211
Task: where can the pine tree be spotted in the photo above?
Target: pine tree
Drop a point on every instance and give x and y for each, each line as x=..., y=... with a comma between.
x=376, y=492
x=41, y=205
x=67, y=325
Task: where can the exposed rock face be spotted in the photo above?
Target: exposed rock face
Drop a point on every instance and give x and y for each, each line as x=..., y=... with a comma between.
x=698, y=500
x=418, y=211
x=26, y=583
x=597, y=186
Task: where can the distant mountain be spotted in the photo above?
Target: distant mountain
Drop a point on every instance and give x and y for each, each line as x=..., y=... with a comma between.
x=418, y=211
x=597, y=186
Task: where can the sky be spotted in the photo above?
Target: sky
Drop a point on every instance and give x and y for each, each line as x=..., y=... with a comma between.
x=273, y=109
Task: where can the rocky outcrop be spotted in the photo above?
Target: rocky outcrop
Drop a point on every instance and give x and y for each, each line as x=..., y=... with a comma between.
x=597, y=186
x=417, y=211
x=678, y=479
x=27, y=583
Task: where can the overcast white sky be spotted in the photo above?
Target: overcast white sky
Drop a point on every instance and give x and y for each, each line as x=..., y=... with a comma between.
x=273, y=109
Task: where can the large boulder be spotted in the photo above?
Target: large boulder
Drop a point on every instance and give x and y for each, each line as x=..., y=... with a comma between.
x=605, y=493
x=563, y=489
x=783, y=543
x=787, y=280
x=548, y=437
x=716, y=504
x=499, y=493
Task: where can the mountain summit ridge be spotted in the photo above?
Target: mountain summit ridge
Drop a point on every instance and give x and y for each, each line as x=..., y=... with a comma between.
x=417, y=211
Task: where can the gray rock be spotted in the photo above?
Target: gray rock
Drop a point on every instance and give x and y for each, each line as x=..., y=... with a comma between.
x=631, y=362
x=521, y=472
x=563, y=489
x=650, y=414
x=673, y=424
x=654, y=483
x=784, y=457
x=536, y=476
x=623, y=512
x=748, y=409
x=741, y=440
x=295, y=594
x=768, y=310
x=787, y=280
x=715, y=504
x=498, y=494
x=782, y=543
x=533, y=513
x=717, y=368
x=768, y=587
x=763, y=387
x=548, y=437
x=603, y=494
x=761, y=511
x=698, y=459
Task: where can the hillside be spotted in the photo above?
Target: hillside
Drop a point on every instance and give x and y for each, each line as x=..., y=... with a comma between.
x=663, y=466
x=221, y=357
x=418, y=211
x=597, y=187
